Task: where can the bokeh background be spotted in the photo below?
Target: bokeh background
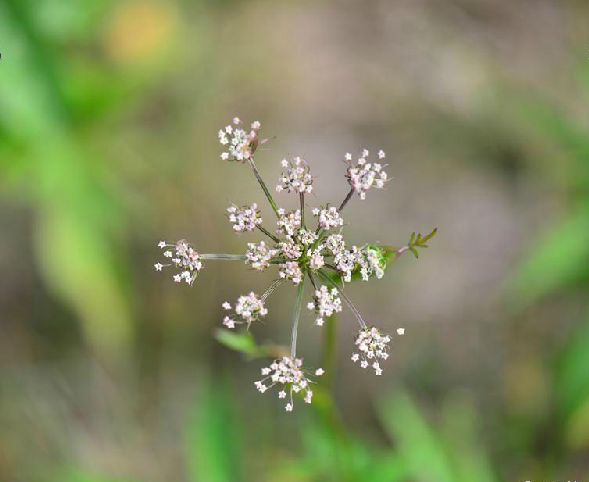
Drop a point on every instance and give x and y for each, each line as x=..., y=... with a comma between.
x=109, y=372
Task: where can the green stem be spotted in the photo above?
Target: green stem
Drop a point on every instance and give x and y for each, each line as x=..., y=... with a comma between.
x=345, y=201
x=269, y=234
x=263, y=186
x=225, y=257
x=302, y=199
x=345, y=298
x=295, y=319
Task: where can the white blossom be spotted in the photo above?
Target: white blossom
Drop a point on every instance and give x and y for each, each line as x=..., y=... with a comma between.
x=306, y=237
x=326, y=302
x=296, y=178
x=184, y=257
x=245, y=218
x=335, y=243
x=240, y=145
x=258, y=256
x=289, y=373
x=329, y=217
x=316, y=259
x=290, y=250
x=248, y=309
x=291, y=270
x=364, y=175
x=371, y=345
x=288, y=222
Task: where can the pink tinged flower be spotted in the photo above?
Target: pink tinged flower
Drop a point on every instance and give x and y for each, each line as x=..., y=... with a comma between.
x=289, y=373
x=248, y=308
x=328, y=217
x=364, y=175
x=246, y=218
x=372, y=345
x=296, y=178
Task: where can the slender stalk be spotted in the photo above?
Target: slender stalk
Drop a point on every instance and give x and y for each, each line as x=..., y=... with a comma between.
x=263, y=186
x=302, y=199
x=269, y=234
x=345, y=201
x=224, y=257
x=295, y=319
x=275, y=284
x=345, y=298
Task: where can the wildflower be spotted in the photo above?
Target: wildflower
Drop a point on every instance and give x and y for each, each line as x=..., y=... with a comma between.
x=288, y=222
x=245, y=218
x=290, y=250
x=372, y=345
x=400, y=331
x=316, y=259
x=306, y=237
x=248, y=309
x=371, y=261
x=364, y=175
x=345, y=262
x=328, y=218
x=325, y=303
x=288, y=372
x=258, y=256
x=240, y=145
x=291, y=270
x=335, y=243
x=185, y=258
x=297, y=177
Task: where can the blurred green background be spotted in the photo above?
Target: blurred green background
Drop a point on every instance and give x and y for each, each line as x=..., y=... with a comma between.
x=109, y=110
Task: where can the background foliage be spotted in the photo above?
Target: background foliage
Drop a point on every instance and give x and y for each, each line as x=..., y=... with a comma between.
x=108, y=120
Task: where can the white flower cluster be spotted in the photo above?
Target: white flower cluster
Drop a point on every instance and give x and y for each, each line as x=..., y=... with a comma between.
x=289, y=222
x=258, y=256
x=248, y=308
x=245, y=218
x=372, y=345
x=371, y=261
x=365, y=175
x=240, y=145
x=316, y=259
x=291, y=250
x=184, y=258
x=335, y=243
x=289, y=373
x=292, y=271
x=329, y=217
x=297, y=177
x=325, y=303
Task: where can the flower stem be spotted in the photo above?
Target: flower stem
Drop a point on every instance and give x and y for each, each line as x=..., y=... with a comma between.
x=263, y=186
x=295, y=319
x=302, y=199
x=225, y=257
x=345, y=201
x=345, y=298
x=275, y=284
x=269, y=234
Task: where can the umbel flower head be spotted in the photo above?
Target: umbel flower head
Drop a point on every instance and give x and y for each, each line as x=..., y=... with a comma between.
x=288, y=373
x=301, y=244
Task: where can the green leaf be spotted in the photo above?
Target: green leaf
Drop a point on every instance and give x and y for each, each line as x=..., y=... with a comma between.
x=239, y=341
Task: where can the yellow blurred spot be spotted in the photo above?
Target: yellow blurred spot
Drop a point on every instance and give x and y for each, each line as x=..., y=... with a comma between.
x=139, y=30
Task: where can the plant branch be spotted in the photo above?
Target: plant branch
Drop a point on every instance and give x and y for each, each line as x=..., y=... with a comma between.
x=269, y=234
x=345, y=298
x=345, y=201
x=225, y=257
x=295, y=319
x=263, y=186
